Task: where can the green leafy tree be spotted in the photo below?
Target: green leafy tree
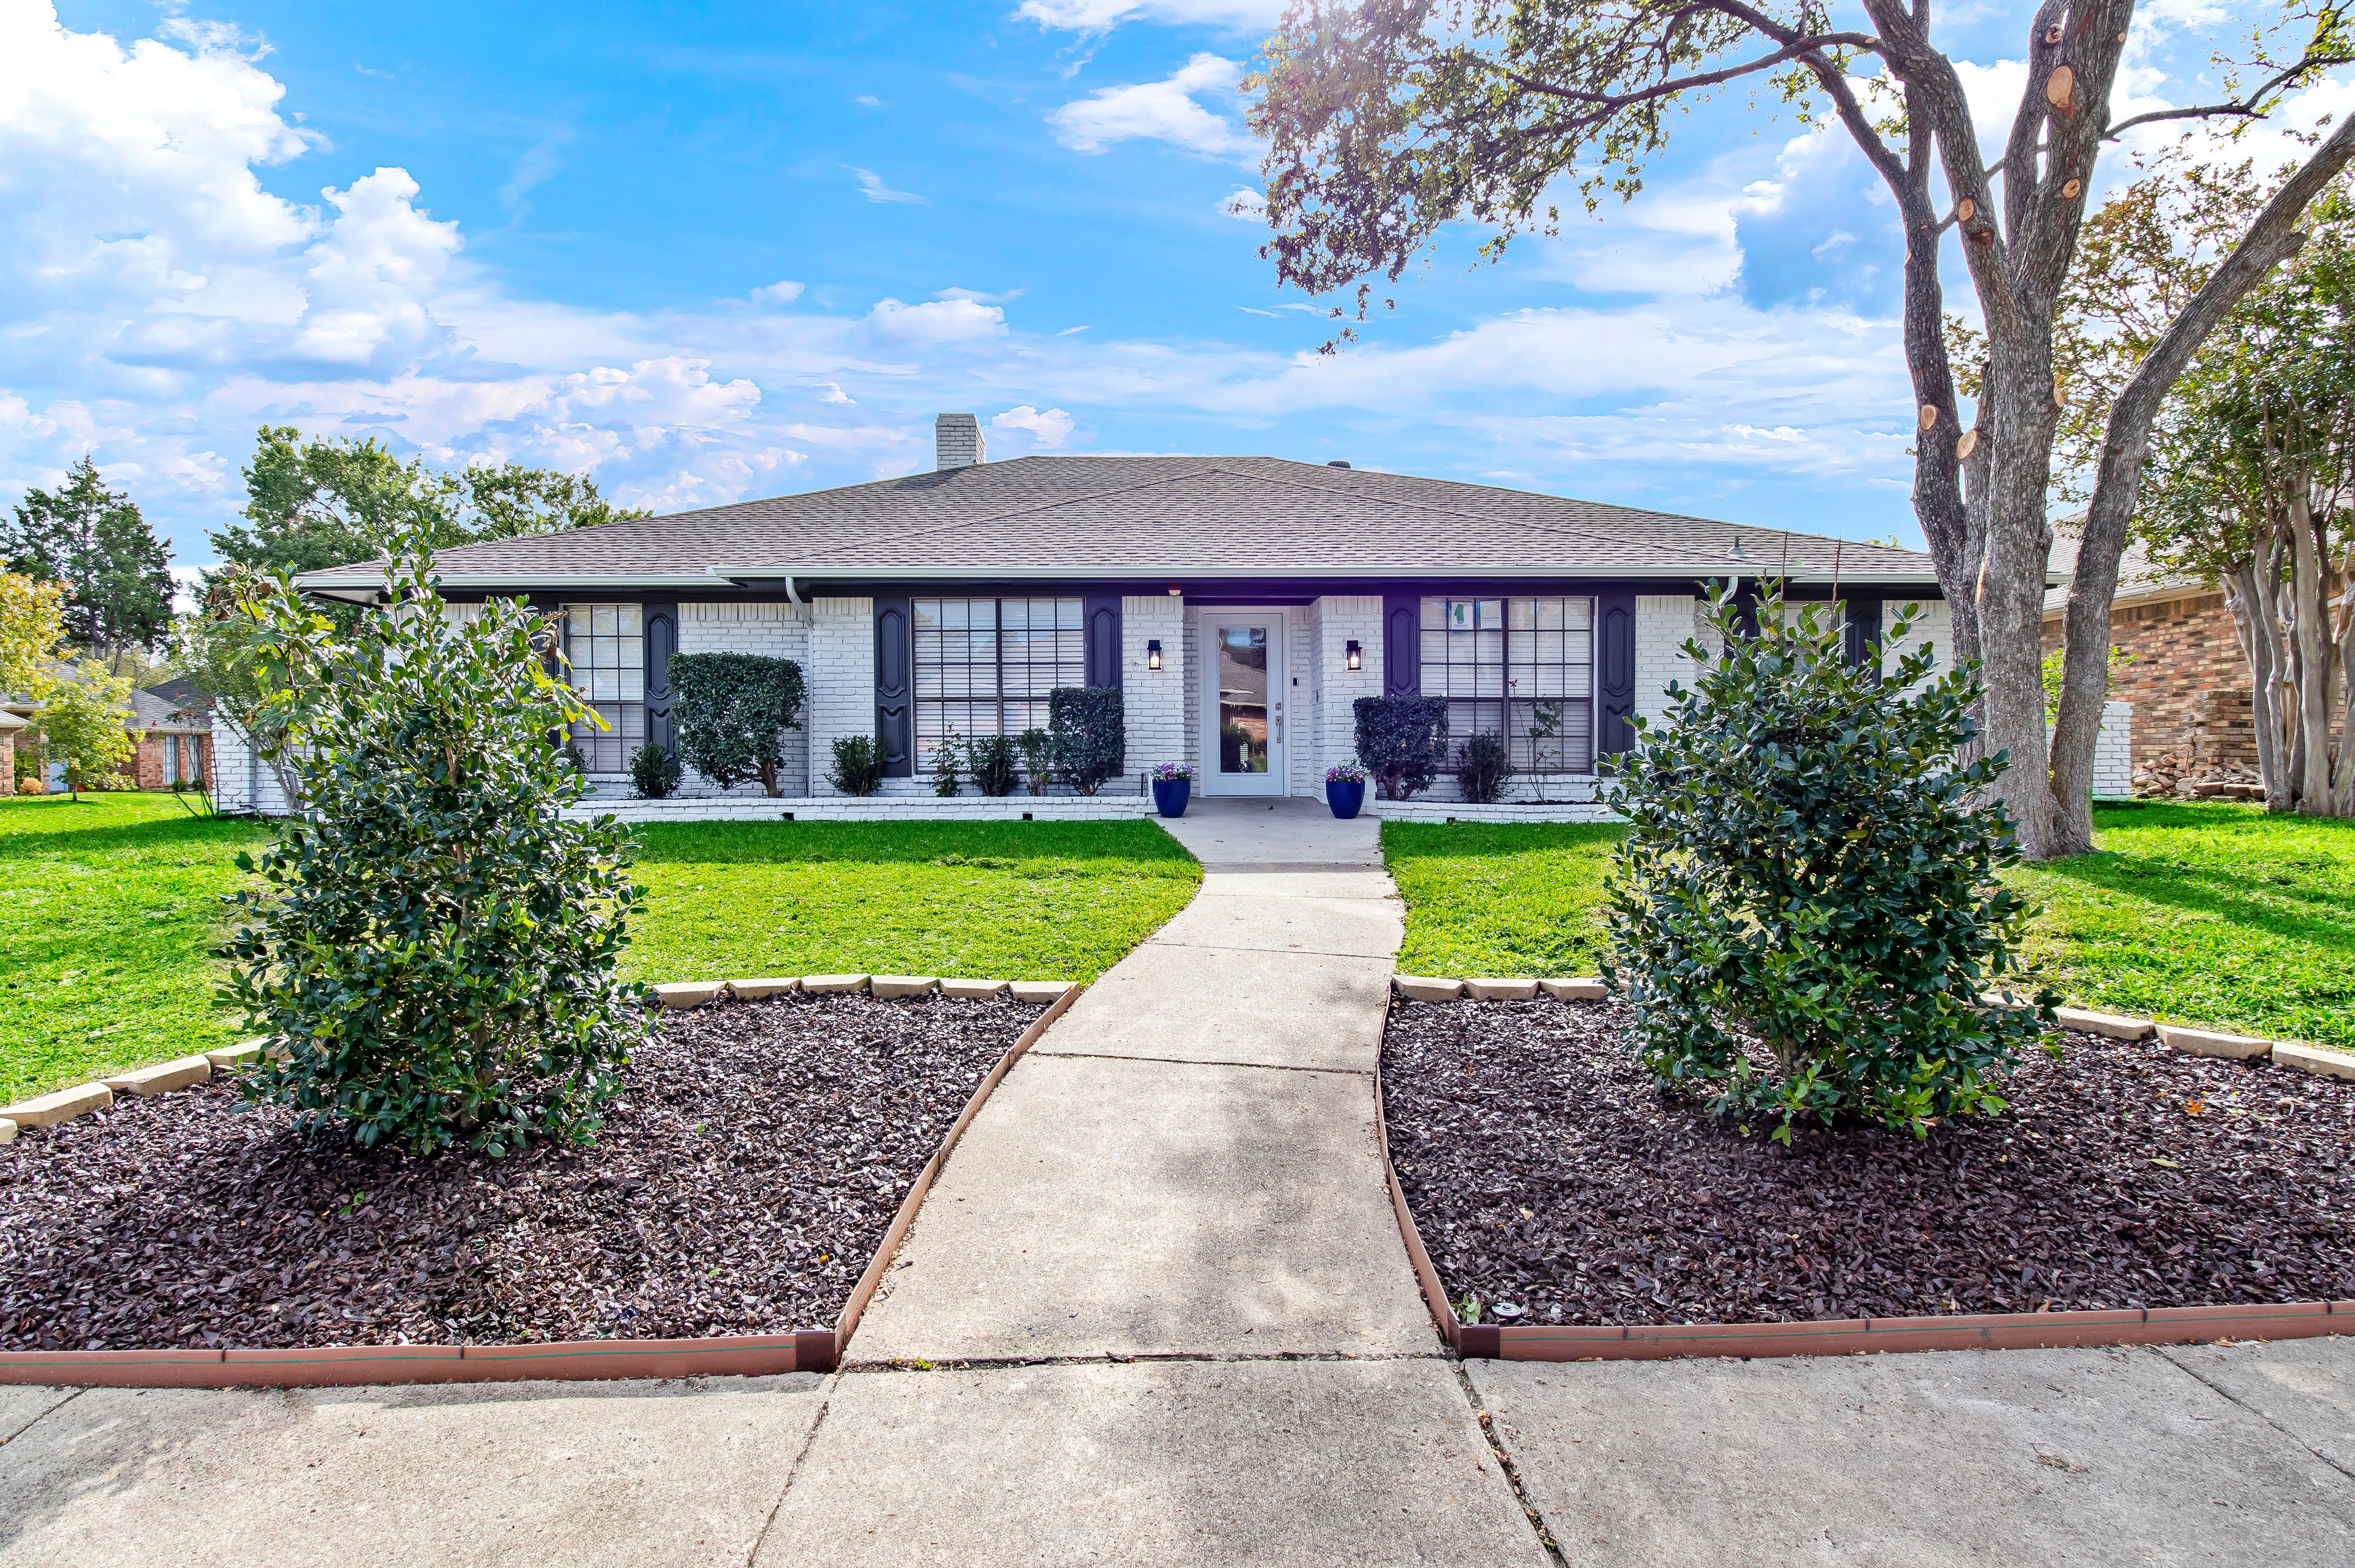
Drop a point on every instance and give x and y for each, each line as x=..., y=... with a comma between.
x=733, y=710
x=331, y=502
x=94, y=542
x=220, y=647
x=1388, y=121
x=434, y=946
x=1805, y=914
x=32, y=631
x=80, y=723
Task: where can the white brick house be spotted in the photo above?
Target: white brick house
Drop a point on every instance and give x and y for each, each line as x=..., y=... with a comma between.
x=1240, y=605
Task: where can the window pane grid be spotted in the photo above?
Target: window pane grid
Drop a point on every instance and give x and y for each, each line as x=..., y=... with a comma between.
x=605, y=645
x=1516, y=667
x=984, y=666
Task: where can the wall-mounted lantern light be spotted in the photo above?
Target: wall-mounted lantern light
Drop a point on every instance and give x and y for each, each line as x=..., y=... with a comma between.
x=1153, y=655
x=1356, y=661
x=1177, y=590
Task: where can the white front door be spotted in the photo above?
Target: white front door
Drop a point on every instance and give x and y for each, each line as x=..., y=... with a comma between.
x=1243, y=689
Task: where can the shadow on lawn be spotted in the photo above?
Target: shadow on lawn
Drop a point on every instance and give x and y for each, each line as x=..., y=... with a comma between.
x=47, y=838
x=1139, y=847
x=2261, y=899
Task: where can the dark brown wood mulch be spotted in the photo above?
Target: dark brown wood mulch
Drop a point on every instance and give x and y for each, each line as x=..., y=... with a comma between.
x=742, y=1182
x=1552, y=1183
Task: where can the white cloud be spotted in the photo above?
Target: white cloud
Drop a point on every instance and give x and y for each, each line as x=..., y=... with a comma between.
x=1246, y=203
x=1161, y=111
x=784, y=292
x=1103, y=16
x=871, y=187
x=835, y=394
x=1050, y=427
x=933, y=322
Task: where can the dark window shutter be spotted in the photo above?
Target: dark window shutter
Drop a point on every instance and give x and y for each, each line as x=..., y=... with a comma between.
x=1101, y=616
x=1401, y=644
x=1862, y=627
x=895, y=729
x=1614, y=670
x=662, y=641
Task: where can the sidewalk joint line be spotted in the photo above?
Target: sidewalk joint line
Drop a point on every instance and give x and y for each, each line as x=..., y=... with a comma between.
x=1196, y=1062
x=2232, y=1398
x=1511, y=1472
x=41, y=1415
x=1141, y=1358
x=1160, y=941
x=793, y=1471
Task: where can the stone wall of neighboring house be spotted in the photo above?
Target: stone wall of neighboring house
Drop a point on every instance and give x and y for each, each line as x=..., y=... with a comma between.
x=2185, y=678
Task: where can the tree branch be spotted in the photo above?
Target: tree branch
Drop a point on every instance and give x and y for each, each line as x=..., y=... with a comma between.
x=1613, y=101
x=2253, y=107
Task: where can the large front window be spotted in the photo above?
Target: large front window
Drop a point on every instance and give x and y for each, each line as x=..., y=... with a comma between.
x=1521, y=667
x=984, y=666
x=606, y=647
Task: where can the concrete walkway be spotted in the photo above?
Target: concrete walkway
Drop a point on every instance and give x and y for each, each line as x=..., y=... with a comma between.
x=1156, y=1311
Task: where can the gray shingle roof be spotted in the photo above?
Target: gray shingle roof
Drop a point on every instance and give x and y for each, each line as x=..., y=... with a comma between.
x=2140, y=577
x=1149, y=517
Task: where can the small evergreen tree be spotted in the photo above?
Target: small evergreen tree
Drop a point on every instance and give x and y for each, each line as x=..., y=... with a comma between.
x=1038, y=748
x=434, y=946
x=1484, y=766
x=945, y=782
x=94, y=541
x=1091, y=735
x=1806, y=912
x=654, y=771
x=733, y=710
x=858, y=765
x=1401, y=741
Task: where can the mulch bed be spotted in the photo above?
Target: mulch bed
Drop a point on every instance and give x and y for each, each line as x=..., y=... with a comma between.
x=1553, y=1183
x=742, y=1183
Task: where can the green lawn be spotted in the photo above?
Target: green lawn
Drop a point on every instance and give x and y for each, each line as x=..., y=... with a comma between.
x=2193, y=914
x=1016, y=900
x=109, y=909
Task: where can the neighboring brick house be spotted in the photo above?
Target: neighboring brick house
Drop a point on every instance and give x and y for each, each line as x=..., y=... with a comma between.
x=11, y=727
x=173, y=722
x=1242, y=605
x=2186, y=675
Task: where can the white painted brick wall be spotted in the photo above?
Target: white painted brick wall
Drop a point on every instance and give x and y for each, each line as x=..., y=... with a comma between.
x=242, y=783
x=2113, y=752
x=1190, y=640
x=771, y=630
x=1340, y=620
x=1299, y=739
x=880, y=808
x=1664, y=623
x=1934, y=626
x=1153, y=702
x=840, y=673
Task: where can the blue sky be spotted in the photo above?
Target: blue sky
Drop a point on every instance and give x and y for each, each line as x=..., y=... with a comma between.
x=721, y=251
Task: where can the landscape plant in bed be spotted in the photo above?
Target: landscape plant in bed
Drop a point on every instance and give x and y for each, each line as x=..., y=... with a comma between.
x=733, y=710
x=1806, y=913
x=433, y=946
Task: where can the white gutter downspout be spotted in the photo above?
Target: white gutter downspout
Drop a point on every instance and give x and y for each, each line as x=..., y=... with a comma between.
x=801, y=611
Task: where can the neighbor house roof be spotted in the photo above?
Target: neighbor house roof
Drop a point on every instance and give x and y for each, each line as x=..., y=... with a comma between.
x=2141, y=580
x=1149, y=518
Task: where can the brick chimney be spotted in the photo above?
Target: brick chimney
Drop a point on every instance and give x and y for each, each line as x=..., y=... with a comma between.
x=957, y=441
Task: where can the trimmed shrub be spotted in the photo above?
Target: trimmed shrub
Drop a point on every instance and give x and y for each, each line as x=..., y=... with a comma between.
x=1807, y=911
x=733, y=710
x=1484, y=766
x=434, y=944
x=991, y=758
x=1038, y=748
x=654, y=771
x=944, y=767
x=1091, y=735
x=858, y=765
x=1401, y=741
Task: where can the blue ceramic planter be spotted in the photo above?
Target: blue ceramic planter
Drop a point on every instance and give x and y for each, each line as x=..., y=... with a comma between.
x=1169, y=796
x=1345, y=797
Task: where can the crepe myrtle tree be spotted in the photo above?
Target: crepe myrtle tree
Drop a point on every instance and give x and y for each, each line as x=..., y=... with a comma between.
x=433, y=945
x=1387, y=119
x=1809, y=880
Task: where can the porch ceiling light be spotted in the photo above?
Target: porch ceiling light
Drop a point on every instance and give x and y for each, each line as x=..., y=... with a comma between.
x=1356, y=658
x=1152, y=653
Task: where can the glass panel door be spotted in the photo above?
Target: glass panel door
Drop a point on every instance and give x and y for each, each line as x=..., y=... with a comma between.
x=1243, y=703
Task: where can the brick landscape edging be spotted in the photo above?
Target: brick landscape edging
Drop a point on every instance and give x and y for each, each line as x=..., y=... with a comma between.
x=345, y=1366
x=1847, y=1336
